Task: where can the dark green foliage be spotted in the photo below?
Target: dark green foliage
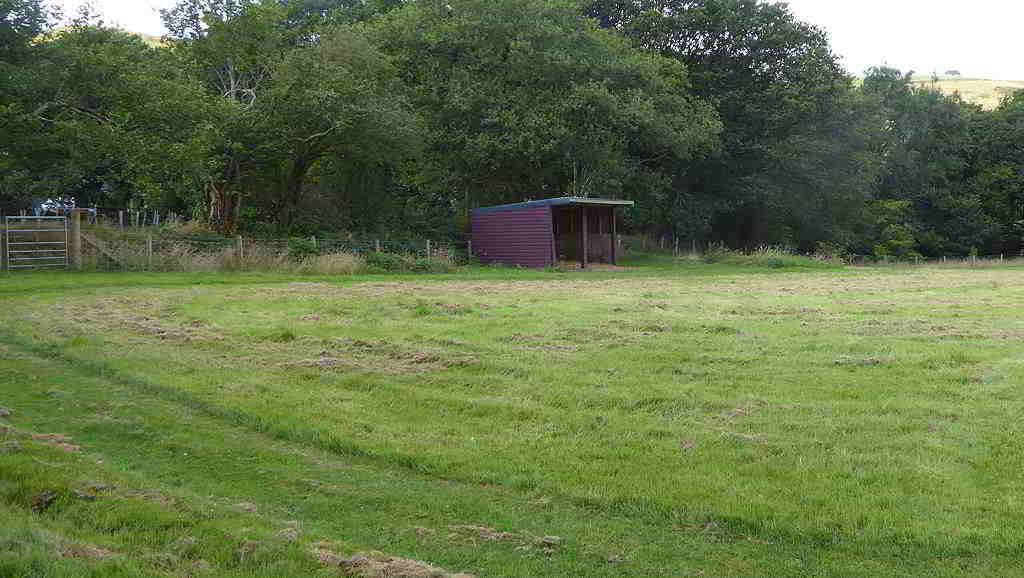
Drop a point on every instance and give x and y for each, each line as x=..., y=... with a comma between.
x=21, y=21
x=998, y=172
x=727, y=121
x=385, y=261
x=762, y=258
x=301, y=248
x=527, y=99
x=796, y=141
x=104, y=118
x=924, y=202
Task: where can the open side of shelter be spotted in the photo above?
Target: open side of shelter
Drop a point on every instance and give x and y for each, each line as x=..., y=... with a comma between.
x=542, y=233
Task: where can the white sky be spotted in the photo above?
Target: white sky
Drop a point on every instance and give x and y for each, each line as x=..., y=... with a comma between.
x=978, y=38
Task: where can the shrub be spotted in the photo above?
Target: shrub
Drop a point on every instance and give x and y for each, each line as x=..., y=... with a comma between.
x=717, y=253
x=300, y=248
x=830, y=251
x=435, y=265
x=387, y=262
x=332, y=264
x=763, y=257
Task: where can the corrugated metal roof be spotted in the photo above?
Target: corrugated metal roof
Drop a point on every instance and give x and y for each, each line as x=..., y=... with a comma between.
x=552, y=203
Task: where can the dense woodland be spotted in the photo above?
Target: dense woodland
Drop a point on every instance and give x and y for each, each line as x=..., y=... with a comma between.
x=727, y=121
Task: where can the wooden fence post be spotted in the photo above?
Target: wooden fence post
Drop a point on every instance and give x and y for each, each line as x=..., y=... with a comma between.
x=428, y=248
x=377, y=245
x=76, y=239
x=149, y=252
x=120, y=219
x=241, y=251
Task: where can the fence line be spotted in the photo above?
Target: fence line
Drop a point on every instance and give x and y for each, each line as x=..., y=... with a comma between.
x=104, y=248
x=153, y=253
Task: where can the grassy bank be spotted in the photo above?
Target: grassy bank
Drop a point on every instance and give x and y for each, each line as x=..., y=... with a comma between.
x=673, y=419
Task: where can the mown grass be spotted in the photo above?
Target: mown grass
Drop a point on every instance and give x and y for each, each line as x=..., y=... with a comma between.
x=670, y=420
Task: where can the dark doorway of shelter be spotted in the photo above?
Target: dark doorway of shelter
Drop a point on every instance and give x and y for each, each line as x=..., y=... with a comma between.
x=585, y=234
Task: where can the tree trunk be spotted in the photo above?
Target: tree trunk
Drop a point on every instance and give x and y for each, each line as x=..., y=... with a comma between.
x=292, y=192
x=225, y=206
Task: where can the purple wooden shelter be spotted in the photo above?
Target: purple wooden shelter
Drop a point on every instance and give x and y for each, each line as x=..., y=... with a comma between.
x=542, y=233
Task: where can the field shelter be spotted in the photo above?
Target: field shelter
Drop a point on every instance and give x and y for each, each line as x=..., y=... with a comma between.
x=546, y=232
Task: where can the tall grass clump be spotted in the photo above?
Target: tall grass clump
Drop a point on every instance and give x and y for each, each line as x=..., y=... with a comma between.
x=379, y=262
x=331, y=264
x=187, y=257
x=765, y=256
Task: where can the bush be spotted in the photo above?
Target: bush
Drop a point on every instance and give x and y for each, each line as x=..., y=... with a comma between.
x=461, y=256
x=387, y=262
x=301, y=248
x=762, y=257
x=434, y=265
x=717, y=254
x=830, y=251
x=332, y=264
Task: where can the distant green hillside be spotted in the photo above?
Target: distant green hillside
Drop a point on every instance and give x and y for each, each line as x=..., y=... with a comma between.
x=154, y=41
x=150, y=40
x=987, y=93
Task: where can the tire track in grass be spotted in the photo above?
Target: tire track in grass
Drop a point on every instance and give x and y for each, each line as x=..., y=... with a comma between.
x=53, y=351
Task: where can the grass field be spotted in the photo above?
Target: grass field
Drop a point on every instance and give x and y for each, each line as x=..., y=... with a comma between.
x=667, y=420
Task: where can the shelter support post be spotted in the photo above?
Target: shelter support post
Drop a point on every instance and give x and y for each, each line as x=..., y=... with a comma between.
x=586, y=242
x=554, y=237
x=615, y=240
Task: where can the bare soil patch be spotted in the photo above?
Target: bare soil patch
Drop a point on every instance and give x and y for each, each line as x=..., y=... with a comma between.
x=380, y=565
x=85, y=551
x=59, y=441
x=524, y=541
x=137, y=316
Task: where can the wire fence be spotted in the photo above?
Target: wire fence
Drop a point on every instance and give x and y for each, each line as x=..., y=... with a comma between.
x=119, y=218
x=681, y=246
x=298, y=255
x=107, y=248
x=951, y=261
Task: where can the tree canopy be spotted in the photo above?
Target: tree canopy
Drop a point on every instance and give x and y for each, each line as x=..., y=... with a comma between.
x=726, y=120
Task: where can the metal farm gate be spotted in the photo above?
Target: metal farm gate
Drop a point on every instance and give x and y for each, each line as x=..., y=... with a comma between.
x=35, y=243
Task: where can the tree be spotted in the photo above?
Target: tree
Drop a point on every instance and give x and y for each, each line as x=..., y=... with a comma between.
x=292, y=100
x=926, y=147
x=21, y=22
x=779, y=91
x=528, y=99
x=341, y=99
x=105, y=118
x=998, y=170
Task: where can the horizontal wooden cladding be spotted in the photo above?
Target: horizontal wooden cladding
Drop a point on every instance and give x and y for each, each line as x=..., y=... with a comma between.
x=522, y=237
